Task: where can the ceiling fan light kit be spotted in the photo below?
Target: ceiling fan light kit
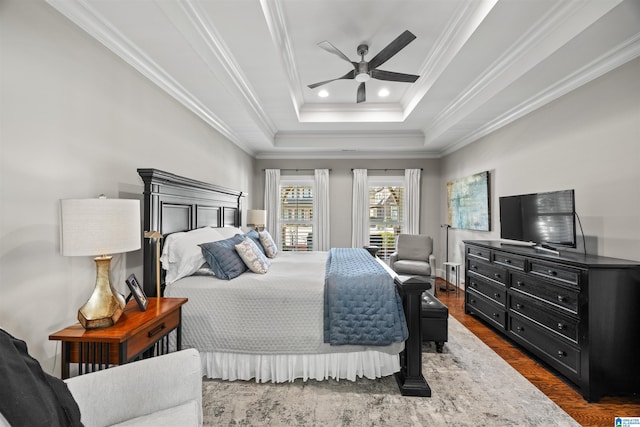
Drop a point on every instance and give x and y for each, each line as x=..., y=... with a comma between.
x=363, y=71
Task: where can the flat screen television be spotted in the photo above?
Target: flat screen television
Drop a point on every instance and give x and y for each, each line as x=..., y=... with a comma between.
x=546, y=219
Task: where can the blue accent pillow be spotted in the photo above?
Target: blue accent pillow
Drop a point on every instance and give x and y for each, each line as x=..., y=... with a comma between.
x=223, y=258
x=253, y=235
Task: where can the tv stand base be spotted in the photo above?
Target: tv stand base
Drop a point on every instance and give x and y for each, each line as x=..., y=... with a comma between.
x=548, y=249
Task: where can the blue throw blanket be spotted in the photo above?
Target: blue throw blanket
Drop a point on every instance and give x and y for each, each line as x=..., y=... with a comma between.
x=361, y=303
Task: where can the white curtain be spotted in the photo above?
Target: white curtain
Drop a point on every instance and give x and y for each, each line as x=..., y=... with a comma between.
x=360, y=209
x=272, y=203
x=412, y=201
x=321, y=211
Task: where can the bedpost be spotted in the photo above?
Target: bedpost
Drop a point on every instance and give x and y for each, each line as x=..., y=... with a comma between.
x=410, y=379
x=151, y=223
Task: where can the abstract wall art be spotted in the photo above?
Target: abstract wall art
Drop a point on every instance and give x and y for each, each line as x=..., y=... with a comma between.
x=468, y=202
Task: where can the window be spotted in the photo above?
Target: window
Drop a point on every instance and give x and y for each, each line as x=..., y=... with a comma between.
x=296, y=213
x=386, y=212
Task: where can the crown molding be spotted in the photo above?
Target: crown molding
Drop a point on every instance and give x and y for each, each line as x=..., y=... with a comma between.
x=346, y=154
x=220, y=53
x=458, y=30
x=334, y=141
x=561, y=23
x=274, y=17
x=82, y=14
x=616, y=57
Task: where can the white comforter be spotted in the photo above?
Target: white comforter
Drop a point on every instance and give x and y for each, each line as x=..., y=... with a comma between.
x=280, y=312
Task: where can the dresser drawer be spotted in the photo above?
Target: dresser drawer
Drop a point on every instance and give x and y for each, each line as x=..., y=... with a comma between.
x=479, y=252
x=489, y=271
x=508, y=260
x=564, y=326
x=559, y=353
x=559, y=296
x=491, y=290
x=486, y=308
x=149, y=335
x=565, y=275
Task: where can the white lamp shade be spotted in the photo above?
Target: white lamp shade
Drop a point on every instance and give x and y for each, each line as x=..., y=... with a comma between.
x=256, y=217
x=92, y=227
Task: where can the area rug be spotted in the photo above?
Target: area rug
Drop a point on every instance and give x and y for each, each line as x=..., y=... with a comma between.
x=471, y=386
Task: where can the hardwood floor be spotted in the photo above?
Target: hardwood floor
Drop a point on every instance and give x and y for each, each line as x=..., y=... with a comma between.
x=562, y=393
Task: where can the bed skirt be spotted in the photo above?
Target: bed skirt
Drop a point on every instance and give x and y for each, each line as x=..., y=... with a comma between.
x=289, y=367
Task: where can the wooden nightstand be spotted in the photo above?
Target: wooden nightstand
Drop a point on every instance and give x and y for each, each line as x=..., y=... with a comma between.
x=137, y=334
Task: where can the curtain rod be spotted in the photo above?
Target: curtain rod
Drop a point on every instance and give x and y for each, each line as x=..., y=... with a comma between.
x=387, y=169
x=298, y=170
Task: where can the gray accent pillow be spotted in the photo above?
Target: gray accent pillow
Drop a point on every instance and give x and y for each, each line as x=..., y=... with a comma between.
x=270, y=248
x=223, y=258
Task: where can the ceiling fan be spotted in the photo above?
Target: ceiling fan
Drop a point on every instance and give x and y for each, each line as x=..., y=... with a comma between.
x=365, y=70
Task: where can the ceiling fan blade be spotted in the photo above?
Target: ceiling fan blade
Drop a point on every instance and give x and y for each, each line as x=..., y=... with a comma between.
x=362, y=96
x=392, y=48
x=349, y=76
x=332, y=49
x=394, y=77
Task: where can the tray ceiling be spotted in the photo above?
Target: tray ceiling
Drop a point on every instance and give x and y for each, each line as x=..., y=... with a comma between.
x=243, y=66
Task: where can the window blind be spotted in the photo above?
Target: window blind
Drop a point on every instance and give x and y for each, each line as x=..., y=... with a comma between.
x=296, y=220
x=386, y=217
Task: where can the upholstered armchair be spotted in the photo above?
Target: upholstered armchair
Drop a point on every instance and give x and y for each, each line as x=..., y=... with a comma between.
x=160, y=391
x=413, y=256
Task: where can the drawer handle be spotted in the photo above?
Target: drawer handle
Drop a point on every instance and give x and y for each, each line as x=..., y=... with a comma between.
x=519, y=283
x=474, y=285
x=496, y=295
x=519, y=329
x=508, y=261
x=561, y=298
x=496, y=315
x=519, y=306
x=552, y=273
x=475, y=267
x=497, y=275
x=156, y=330
x=561, y=326
x=561, y=353
x=472, y=301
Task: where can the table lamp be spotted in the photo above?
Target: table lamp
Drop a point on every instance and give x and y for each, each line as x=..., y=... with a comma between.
x=100, y=227
x=257, y=218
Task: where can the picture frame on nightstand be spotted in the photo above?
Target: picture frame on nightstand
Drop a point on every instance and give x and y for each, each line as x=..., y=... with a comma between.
x=137, y=292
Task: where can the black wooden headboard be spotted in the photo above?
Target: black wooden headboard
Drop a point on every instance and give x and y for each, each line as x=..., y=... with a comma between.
x=174, y=203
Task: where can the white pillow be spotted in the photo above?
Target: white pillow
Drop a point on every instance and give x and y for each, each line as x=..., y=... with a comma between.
x=181, y=255
x=229, y=232
x=269, y=245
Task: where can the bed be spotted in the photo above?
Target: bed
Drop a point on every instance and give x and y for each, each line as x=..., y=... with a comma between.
x=262, y=327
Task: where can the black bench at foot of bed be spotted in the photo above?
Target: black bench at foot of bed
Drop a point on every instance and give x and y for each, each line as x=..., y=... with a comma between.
x=434, y=318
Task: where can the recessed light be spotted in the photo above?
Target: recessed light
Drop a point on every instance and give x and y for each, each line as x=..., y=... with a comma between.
x=323, y=93
x=383, y=93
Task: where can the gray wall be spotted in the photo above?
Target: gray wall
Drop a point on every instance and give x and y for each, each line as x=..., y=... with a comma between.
x=588, y=140
x=77, y=122
x=340, y=185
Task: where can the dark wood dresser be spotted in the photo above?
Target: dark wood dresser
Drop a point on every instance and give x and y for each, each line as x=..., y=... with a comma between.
x=580, y=314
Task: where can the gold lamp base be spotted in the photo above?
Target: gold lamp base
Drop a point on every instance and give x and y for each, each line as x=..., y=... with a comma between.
x=105, y=306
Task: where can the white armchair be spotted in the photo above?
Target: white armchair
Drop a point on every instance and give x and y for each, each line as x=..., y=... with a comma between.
x=160, y=391
x=413, y=256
